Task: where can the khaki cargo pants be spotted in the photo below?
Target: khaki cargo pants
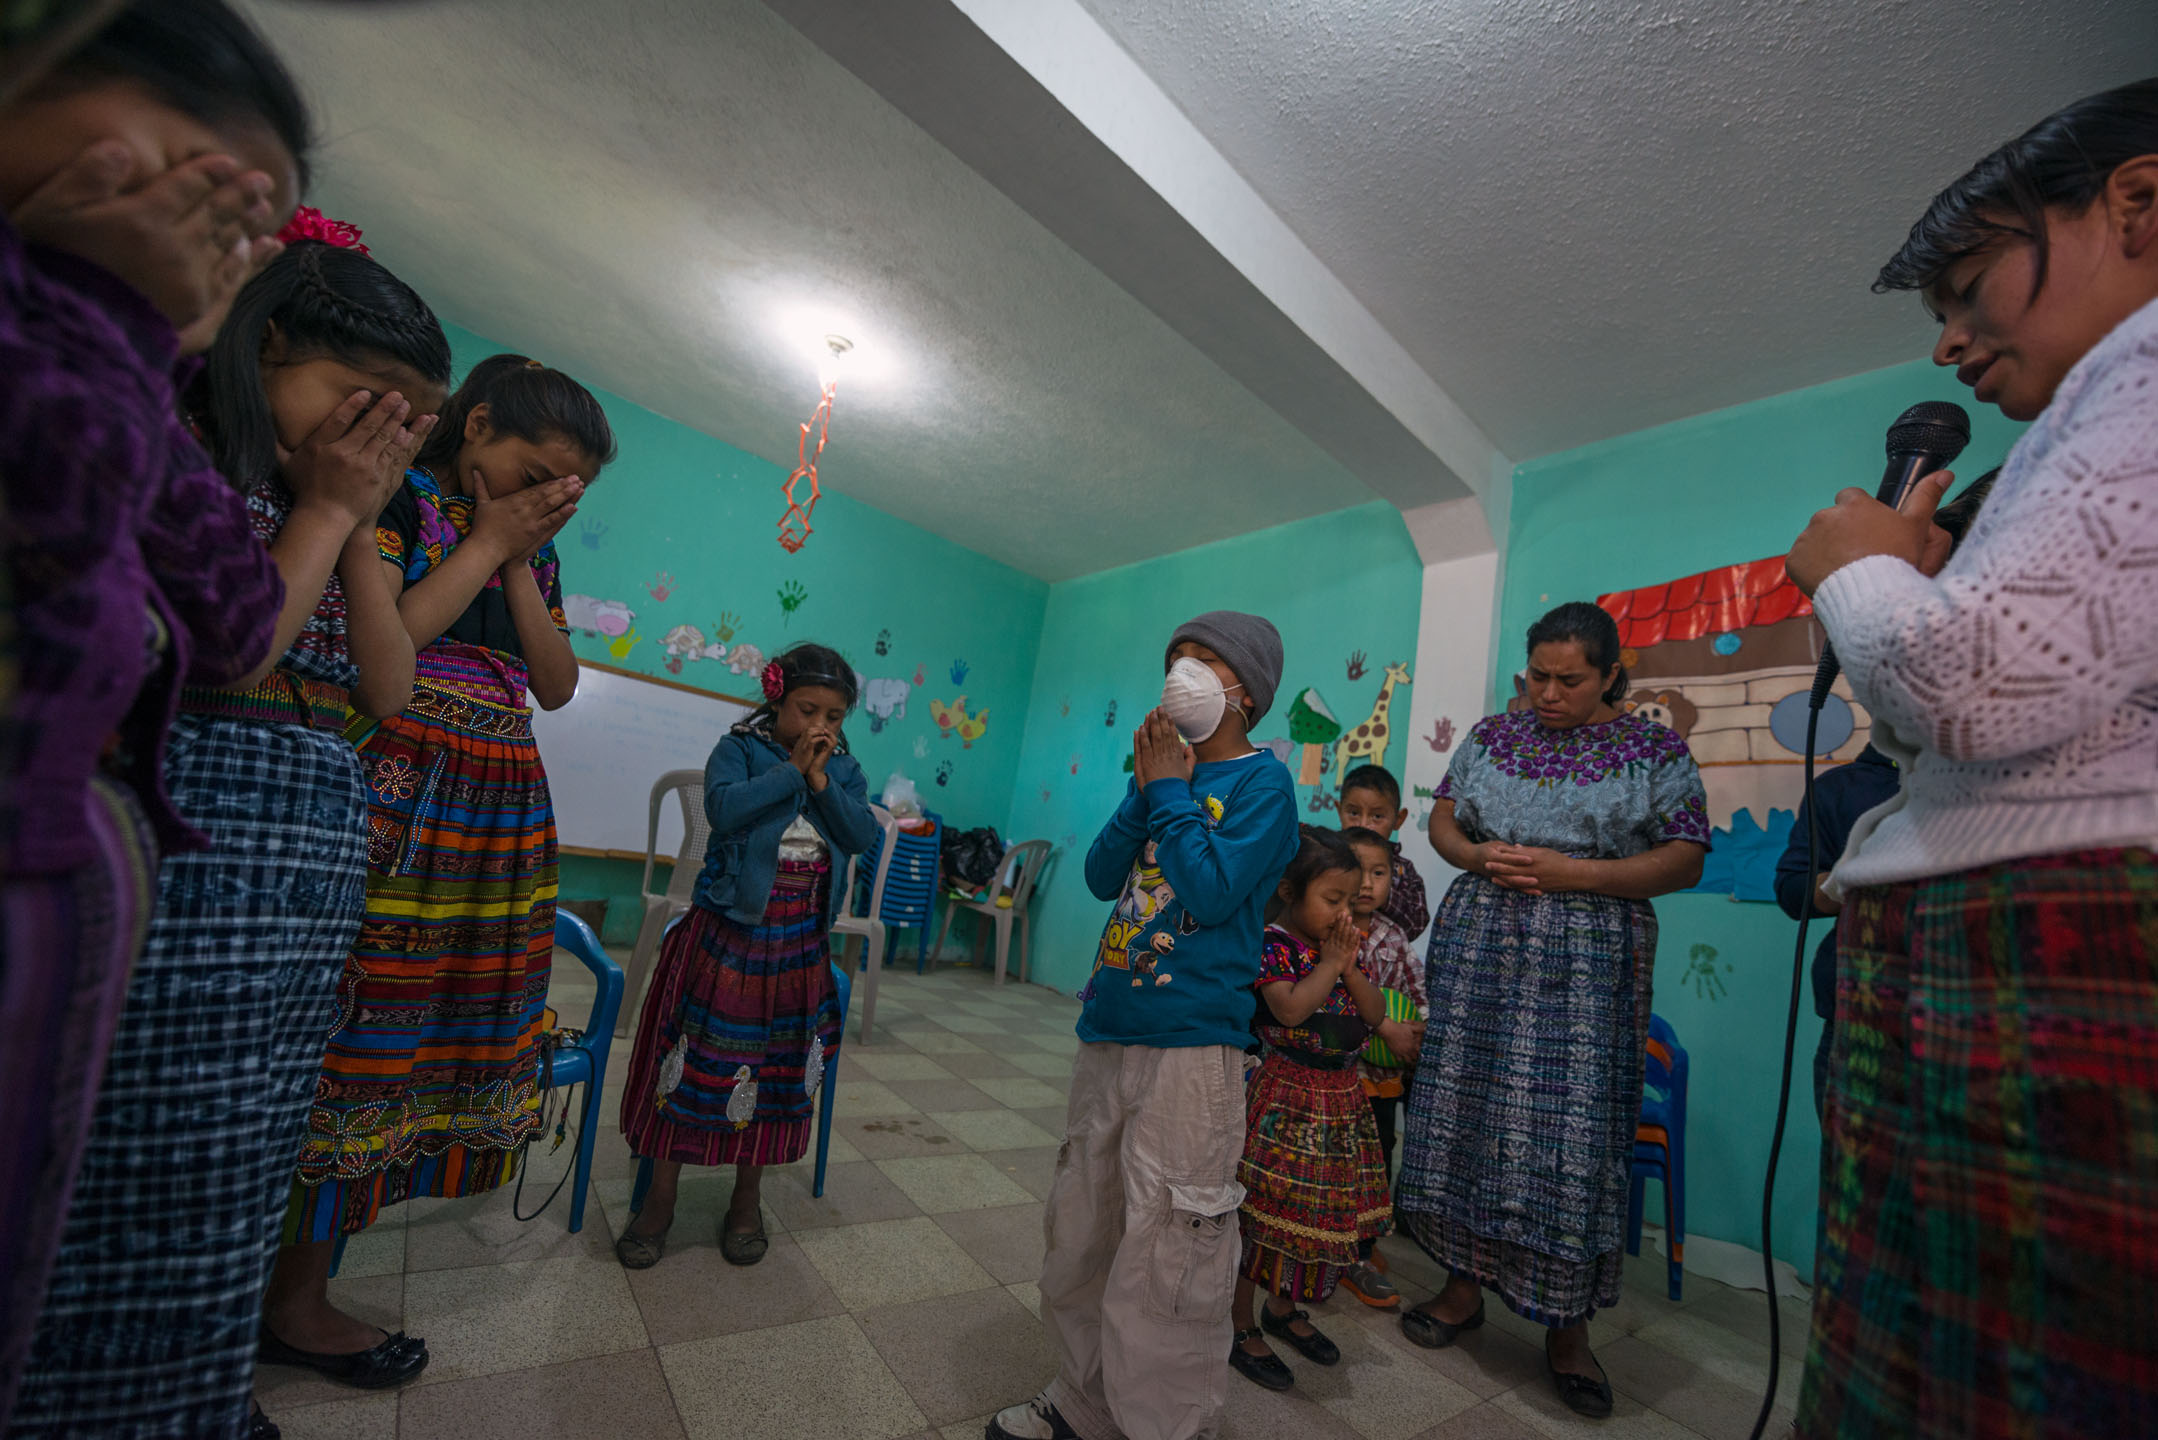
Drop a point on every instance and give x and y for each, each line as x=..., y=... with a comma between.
x=1142, y=1241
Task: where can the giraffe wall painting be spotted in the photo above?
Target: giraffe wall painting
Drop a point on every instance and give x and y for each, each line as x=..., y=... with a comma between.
x=1367, y=742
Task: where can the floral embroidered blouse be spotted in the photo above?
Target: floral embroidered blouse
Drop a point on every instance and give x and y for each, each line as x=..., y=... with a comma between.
x=1333, y=1031
x=419, y=529
x=1601, y=792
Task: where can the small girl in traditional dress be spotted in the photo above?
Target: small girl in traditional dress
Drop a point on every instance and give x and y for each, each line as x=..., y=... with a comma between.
x=1313, y=1175
x=742, y=1009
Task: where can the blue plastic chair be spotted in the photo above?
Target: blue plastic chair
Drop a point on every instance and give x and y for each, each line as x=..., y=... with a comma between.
x=584, y=1063
x=1659, y=1148
x=844, y=983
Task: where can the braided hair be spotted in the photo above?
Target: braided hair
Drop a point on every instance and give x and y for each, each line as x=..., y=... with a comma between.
x=325, y=302
x=805, y=664
x=524, y=398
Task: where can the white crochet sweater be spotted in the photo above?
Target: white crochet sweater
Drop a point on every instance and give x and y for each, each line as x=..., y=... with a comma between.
x=2019, y=688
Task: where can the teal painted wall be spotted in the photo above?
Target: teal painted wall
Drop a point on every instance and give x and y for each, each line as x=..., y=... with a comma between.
x=1730, y=486
x=680, y=529
x=1333, y=585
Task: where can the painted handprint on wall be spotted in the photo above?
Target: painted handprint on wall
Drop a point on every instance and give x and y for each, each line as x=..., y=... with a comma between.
x=791, y=596
x=1441, y=738
x=1356, y=665
x=1706, y=972
x=884, y=642
x=663, y=584
x=960, y=669
x=622, y=644
x=723, y=630
x=592, y=532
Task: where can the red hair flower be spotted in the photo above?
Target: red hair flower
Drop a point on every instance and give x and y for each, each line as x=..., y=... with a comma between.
x=775, y=682
x=308, y=223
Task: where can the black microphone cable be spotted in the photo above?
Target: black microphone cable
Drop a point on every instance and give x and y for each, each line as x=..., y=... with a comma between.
x=1824, y=677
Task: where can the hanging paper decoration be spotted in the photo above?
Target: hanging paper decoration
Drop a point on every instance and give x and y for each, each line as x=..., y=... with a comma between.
x=794, y=526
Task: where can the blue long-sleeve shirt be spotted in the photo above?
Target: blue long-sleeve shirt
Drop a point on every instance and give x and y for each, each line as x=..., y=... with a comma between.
x=1843, y=794
x=1190, y=866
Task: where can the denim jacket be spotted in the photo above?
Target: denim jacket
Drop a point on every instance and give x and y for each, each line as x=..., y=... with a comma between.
x=752, y=792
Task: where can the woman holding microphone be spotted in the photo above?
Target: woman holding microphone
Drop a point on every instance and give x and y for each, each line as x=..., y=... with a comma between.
x=1991, y=1265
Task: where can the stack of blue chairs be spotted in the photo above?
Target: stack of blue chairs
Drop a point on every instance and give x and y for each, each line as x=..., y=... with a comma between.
x=910, y=891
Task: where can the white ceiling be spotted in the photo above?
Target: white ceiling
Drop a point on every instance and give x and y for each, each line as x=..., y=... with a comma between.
x=1582, y=217
x=635, y=192
x=1265, y=260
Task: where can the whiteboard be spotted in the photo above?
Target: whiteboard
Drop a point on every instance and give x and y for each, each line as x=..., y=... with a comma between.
x=604, y=749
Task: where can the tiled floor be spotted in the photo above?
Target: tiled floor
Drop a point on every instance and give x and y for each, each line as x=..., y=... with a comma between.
x=903, y=1303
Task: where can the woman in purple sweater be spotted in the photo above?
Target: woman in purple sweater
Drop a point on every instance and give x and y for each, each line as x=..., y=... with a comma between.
x=139, y=182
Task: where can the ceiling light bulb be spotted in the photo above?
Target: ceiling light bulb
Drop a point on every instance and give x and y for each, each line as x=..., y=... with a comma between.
x=837, y=349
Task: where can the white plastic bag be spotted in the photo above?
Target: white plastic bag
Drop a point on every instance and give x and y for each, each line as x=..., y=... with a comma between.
x=901, y=798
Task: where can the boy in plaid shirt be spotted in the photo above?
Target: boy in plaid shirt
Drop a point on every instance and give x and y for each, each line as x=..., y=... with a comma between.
x=1389, y=963
x=1371, y=798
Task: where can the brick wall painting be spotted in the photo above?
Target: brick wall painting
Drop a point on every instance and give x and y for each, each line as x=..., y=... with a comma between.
x=1726, y=658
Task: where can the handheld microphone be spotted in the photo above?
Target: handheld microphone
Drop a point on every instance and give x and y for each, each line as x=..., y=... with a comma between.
x=1925, y=438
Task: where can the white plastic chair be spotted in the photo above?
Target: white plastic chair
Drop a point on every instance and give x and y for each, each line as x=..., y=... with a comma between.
x=869, y=929
x=1009, y=891
x=659, y=909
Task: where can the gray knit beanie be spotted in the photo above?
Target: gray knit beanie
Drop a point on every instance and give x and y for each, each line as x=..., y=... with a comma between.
x=1252, y=647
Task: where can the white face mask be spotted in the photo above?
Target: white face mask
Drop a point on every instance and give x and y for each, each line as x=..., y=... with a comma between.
x=1195, y=698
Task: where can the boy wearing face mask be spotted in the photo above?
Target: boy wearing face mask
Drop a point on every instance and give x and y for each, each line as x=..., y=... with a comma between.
x=1141, y=1223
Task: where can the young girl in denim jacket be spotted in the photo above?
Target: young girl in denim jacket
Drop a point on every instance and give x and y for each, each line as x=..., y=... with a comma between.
x=742, y=1009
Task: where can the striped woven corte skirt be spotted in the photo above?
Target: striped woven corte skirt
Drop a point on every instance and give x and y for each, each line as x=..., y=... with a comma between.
x=1991, y=1179
x=66, y=944
x=1313, y=1176
x=150, y=1324
x=736, y=1024
x=1521, y=1113
x=431, y=1080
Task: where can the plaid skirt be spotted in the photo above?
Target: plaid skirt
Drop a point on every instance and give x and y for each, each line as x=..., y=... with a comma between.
x=149, y=1327
x=1518, y=1139
x=430, y=1083
x=1314, y=1180
x=1990, y=1189
x=737, y=1022
x=67, y=943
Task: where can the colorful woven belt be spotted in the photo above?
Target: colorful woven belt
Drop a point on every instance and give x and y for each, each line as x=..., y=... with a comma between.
x=469, y=712
x=283, y=698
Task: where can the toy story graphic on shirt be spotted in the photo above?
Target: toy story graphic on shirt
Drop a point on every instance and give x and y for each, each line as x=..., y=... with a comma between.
x=1143, y=929
x=1148, y=919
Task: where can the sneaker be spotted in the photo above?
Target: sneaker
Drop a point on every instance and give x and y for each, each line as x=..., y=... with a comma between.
x=1369, y=1286
x=1035, y=1420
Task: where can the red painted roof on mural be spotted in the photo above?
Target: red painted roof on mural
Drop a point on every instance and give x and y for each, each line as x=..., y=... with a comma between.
x=1710, y=603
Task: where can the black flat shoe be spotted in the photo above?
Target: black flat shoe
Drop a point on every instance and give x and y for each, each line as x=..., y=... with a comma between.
x=1579, y=1393
x=397, y=1359
x=737, y=1248
x=259, y=1425
x=1313, y=1347
x=1265, y=1371
x=1433, y=1333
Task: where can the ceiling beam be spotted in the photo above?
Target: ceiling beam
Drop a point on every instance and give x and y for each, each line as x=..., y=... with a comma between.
x=1036, y=98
